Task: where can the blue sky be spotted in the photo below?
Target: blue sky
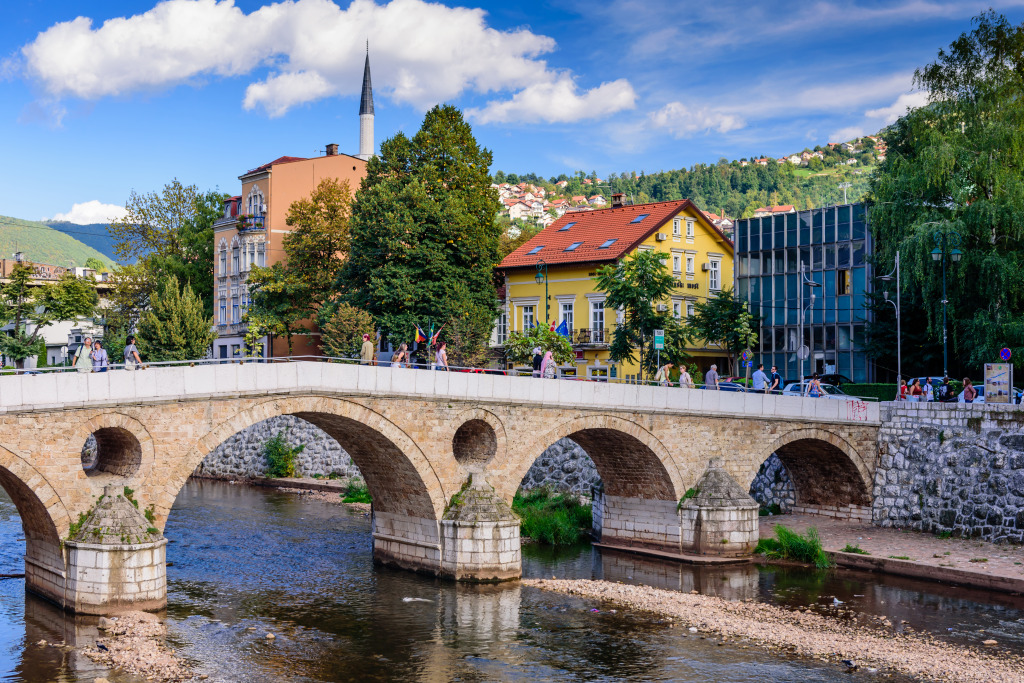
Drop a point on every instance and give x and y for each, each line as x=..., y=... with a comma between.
x=99, y=99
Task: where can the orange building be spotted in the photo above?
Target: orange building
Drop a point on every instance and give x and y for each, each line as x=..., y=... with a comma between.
x=252, y=230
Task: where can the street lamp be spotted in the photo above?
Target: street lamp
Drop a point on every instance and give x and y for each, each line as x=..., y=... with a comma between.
x=946, y=242
x=542, y=276
x=800, y=352
x=896, y=304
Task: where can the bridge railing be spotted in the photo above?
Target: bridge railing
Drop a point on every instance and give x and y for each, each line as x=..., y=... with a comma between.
x=725, y=386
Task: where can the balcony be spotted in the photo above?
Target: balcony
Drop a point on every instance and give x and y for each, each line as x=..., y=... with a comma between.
x=246, y=223
x=592, y=336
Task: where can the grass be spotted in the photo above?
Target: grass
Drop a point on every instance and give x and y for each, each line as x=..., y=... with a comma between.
x=855, y=549
x=550, y=517
x=356, y=493
x=943, y=534
x=900, y=557
x=978, y=559
x=791, y=545
x=772, y=509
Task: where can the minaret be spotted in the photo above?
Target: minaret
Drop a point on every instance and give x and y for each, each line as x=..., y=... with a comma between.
x=366, y=112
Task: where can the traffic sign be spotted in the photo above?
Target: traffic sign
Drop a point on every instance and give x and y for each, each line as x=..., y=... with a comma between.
x=747, y=354
x=659, y=340
x=1005, y=354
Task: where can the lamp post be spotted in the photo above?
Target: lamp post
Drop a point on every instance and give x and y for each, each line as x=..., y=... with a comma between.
x=946, y=242
x=542, y=276
x=896, y=305
x=804, y=280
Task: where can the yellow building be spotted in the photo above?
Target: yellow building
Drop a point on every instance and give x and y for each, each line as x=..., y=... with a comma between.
x=570, y=251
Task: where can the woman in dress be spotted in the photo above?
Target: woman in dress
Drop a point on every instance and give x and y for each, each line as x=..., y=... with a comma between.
x=814, y=387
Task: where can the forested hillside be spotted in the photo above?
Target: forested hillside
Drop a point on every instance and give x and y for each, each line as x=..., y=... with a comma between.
x=94, y=235
x=42, y=244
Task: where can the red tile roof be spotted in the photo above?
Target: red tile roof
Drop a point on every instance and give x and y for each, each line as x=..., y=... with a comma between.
x=593, y=228
x=279, y=160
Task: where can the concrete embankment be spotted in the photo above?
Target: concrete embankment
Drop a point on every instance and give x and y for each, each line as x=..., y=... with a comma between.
x=806, y=634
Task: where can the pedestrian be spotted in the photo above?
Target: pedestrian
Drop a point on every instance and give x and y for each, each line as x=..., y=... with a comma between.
x=99, y=357
x=945, y=391
x=775, y=386
x=684, y=378
x=664, y=376
x=970, y=393
x=366, y=352
x=711, y=378
x=916, y=392
x=548, y=366
x=929, y=391
x=902, y=396
x=132, y=360
x=814, y=387
x=760, y=379
x=401, y=357
x=537, y=360
x=83, y=356
x=441, y=357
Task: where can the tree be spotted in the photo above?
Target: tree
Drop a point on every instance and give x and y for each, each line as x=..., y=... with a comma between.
x=520, y=345
x=96, y=264
x=25, y=303
x=278, y=299
x=954, y=165
x=424, y=236
x=726, y=321
x=175, y=328
x=341, y=335
x=635, y=285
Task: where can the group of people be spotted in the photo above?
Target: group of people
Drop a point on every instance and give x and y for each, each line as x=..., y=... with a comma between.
x=92, y=357
x=401, y=358
x=916, y=392
x=544, y=364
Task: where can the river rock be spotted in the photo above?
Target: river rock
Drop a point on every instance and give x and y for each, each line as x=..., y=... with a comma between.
x=773, y=486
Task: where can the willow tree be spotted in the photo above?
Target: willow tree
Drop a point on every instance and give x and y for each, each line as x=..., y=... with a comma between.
x=955, y=171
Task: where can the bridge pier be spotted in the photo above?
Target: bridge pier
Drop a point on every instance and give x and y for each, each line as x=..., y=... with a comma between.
x=636, y=522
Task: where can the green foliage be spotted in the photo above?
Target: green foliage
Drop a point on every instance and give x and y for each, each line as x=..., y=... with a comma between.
x=341, y=333
x=790, y=545
x=24, y=304
x=636, y=284
x=773, y=509
x=150, y=513
x=954, y=166
x=96, y=264
x=883, y=392
x=43, y=244
x=175, y=327
x=726, y=321
x=520, y=345
x=424, y=236
x=357, y=493
x=76, y=526
x=690, y=494
x=280, y=456
x=152, y=530
x=552, y=518
x=128, y=494
x=855, y=549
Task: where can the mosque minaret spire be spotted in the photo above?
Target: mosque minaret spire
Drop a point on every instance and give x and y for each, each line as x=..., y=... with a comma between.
x=366, y=112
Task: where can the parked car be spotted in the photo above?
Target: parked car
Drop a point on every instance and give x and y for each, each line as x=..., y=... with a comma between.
x=795, y=389
x=731, y=386
x=833, y=379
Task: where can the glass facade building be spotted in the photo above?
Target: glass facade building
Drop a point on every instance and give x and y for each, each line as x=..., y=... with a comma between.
x=831, y=246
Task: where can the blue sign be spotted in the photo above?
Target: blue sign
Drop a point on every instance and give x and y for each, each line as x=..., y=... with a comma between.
x=1005, y=354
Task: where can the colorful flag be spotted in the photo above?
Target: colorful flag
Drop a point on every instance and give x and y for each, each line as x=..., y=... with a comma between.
x=420, y=337
x=433, y=338
x=563, y=329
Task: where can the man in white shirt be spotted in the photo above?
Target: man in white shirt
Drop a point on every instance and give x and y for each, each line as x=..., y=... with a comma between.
x=760, y=379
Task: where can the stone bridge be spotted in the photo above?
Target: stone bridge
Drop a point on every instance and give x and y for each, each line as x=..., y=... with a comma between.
x=419, y=438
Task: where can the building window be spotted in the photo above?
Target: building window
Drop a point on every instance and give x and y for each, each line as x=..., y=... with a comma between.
x=501, y=329
x=689, y=264
x=261, y=259
x=528, y=319
x=234, y=260
x=223, y=312
x=566, y=314
x=223, y=261
x=844, y=283
x=677, y=227
x=597, y=314
x=234, y=310
x=677, y=263
x=689, y=229
x=689, y=309
x=677, y=309
x=715, y=275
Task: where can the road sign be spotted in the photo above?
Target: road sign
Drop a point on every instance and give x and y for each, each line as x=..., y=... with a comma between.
x=803, y=353
x=747, y=354
x=1005, y=354
x=659, y=339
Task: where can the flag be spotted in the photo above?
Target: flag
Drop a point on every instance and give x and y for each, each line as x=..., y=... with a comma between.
x=420, y=337
x=563, y=329
x=433, y=338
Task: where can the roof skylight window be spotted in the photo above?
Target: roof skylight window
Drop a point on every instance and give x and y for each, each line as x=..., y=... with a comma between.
x=535, y=250
x=608, y=243
x=640, y=218
x=573, y=246
x=566, y=226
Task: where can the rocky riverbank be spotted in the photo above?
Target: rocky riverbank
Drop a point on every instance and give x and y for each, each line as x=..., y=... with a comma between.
x=135, y=643
x=806, y=634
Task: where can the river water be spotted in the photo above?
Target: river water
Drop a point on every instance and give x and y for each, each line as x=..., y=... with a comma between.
x=247, y=561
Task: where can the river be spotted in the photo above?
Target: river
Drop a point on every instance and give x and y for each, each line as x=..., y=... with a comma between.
x=247, y=561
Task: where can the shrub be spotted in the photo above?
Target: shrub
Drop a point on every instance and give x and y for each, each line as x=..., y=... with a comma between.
x=773, y=509
x=855, y=549
x=280, y=456
x=883, y=392
x=357, y=493
x=550, y=517
x=790, y=545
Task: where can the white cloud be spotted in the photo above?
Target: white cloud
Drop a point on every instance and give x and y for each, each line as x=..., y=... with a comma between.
x=681, y=121
x=898, y=108
x=847, y=133
x=91, y=212
x=557, y=102
x=421, y=53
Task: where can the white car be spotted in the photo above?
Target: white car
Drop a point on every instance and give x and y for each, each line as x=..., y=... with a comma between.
x=800, y=389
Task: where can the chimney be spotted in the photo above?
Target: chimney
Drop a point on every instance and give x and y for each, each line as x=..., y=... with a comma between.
x=332, y=150
x=617, y=200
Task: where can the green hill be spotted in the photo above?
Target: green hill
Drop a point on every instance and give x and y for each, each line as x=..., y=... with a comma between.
x=93, y=235
x=42, y=244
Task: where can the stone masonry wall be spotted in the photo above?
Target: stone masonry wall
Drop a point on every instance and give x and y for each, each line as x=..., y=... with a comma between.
x=564, y=466
x=773, y=486
x=951, y=468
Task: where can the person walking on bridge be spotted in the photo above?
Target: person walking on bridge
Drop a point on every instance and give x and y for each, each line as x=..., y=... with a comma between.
x=366, y=352
x=83, y=356
x=664, y=376
x=760, y=379
x=711, y=378
x=684, y=377
x=131, y=354
x=99, y=357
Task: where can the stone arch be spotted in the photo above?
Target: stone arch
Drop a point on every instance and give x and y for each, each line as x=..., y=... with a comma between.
x=397, y=473
x=824, y=467
x=128, y=445
x=43, y=514
x=632, y=462
x=472, y=427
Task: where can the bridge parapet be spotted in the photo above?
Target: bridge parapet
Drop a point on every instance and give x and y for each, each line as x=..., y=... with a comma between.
x=23, y=393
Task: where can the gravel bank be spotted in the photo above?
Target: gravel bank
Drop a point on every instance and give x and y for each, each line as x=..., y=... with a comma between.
x=806, y=634
x=135, y=644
